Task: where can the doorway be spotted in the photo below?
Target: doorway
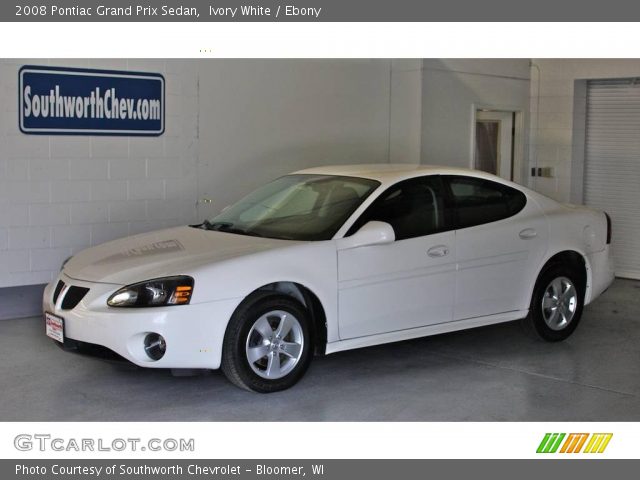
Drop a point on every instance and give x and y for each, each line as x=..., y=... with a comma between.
x=612, y=165
x=494, y=142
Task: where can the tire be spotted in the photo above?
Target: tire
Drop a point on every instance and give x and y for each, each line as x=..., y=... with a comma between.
x=560, y=315
x=254, y=356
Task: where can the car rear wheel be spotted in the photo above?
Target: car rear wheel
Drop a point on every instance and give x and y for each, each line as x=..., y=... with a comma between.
x=556, y=305
x=267, y=346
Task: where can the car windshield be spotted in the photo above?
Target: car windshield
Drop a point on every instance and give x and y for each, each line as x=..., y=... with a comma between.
x=295, y=207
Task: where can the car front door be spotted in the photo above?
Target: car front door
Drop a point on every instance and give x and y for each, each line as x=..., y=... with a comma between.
x=501, y=237
x=410, y=282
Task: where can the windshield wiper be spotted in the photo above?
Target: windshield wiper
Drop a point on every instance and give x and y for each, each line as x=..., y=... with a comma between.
x=208, y=225
x=227, y=227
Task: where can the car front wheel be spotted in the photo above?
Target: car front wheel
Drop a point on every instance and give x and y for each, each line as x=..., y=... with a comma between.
x=267, y=346
x=556, y=305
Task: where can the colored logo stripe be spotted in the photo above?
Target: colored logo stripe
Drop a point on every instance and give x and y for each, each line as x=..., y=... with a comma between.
x=574, y=443
x=550, y=443
x=597, y=442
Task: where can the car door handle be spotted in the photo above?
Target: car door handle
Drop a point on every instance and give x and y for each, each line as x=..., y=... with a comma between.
x=528, y=233
x=438, y=251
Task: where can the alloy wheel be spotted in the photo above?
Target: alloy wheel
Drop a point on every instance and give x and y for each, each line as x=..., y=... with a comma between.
x=559, y=303
x=274, y=344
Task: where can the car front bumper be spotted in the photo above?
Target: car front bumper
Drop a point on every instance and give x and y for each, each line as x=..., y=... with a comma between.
x=193, y=333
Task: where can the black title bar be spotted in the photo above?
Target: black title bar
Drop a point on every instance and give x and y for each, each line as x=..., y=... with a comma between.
x=314, y=469
x=320, y=11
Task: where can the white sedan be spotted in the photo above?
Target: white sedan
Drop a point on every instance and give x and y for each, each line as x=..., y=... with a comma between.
x=330, y=259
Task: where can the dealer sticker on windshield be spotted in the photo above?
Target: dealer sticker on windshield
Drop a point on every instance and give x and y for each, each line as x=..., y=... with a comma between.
x=55, y=327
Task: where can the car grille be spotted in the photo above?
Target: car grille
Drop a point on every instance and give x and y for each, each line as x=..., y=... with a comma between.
x=93, y=350
x=58, y=289
x=72, y=296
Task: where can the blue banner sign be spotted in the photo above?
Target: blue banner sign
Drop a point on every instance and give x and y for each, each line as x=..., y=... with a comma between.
x=73, y=101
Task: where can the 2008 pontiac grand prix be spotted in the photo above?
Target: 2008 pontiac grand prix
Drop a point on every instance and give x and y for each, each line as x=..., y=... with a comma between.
x=330, y=259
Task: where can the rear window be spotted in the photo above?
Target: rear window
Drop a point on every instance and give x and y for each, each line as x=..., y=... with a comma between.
x=478, y=201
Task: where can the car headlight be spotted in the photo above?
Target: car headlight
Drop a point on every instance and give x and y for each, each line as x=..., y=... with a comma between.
x=159, y=292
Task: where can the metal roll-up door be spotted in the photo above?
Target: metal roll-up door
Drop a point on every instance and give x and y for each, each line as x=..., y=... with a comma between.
x=612, y=165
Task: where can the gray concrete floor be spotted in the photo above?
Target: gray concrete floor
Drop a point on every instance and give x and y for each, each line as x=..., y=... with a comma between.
x=492, y=373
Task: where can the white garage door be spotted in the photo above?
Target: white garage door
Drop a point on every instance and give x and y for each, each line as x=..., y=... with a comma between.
x=612, y=165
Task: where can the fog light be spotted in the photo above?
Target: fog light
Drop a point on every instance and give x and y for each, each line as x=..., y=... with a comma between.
x=155, y=346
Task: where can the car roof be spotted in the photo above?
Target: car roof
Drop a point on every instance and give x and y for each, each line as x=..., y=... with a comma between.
x=387, y=173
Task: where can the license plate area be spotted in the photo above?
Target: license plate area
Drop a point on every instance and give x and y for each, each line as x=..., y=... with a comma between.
x=54, y=326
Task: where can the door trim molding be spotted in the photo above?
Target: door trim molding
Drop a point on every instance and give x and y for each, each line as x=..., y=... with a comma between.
x=408, y=334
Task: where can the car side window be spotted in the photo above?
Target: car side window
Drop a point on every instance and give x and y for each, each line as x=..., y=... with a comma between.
x=478, y=201
x=413, y=207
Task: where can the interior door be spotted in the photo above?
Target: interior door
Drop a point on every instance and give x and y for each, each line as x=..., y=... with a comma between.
x=494, y=143
x=501, y=238
x=408, y=283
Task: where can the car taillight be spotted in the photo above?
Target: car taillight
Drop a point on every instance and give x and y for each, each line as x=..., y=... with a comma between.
x=608, y=227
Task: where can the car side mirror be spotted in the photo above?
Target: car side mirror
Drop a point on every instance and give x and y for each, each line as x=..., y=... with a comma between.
x=371, y=233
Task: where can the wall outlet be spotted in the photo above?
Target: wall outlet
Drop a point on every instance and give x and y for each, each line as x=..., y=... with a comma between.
x=545, y=172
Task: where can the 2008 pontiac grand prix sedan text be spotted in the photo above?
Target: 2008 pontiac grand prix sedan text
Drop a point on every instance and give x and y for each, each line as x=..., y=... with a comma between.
x=330, y=259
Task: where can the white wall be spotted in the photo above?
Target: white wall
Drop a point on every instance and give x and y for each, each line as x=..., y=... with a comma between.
x=450, y=90
x=406, y=111
x=60, y=194
x=263, y=118
x=554, y=118
x=230, y=125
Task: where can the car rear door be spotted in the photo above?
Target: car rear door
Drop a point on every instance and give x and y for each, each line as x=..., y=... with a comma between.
x=410, y=282
x=501, y=238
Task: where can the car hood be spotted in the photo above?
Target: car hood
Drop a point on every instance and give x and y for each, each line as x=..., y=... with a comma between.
x=161, y=253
